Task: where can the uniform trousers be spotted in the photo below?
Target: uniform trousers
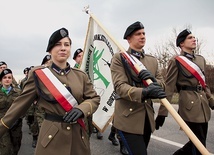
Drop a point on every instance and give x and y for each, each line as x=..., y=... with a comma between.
x=200, y=130
x=137, y=144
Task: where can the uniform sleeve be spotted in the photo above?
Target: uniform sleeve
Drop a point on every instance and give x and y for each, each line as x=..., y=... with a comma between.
x=171, y=79
x=120, y=81
x=19, y=106
x=170, y=83
x=91, y=98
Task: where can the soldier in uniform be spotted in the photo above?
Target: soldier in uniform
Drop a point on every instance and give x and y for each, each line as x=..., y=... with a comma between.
x=78, y=55
x=134, y=101
x=11, y=141
x=3, y=66
x=25, y=71
x=62, y=131
x=195, y=99
x=46, y=61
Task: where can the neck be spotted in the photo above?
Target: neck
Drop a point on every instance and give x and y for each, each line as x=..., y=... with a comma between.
x=187, y=50
x=61, y=65
x=136, y=49
x=6, y=86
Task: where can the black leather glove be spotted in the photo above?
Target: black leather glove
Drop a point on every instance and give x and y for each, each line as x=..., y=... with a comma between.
x=159, y=121
x=145, y=75
x=73, y=115
x=153, y=91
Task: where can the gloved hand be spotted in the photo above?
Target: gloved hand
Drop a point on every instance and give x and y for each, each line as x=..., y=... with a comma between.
x=159, y=121
x=73, y=115
x=145, y=74
x=153, y=91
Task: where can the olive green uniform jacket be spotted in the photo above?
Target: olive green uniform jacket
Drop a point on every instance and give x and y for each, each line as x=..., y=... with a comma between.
x=10, y=141
x=193, y=105
x=57, y=137
x=130, y=112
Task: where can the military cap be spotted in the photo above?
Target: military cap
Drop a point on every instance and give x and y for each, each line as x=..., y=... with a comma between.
x=182, y=36
x=57, y=36
x=31, y=67
x=45, y=59
x=5, y=72
x=2, y=63
x=78, y=51
x=26, y=70
x=132, y=28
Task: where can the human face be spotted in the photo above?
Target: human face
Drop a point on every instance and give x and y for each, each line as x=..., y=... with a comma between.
x=61, y=51
x=2, y=67
x=79, y=58
x=189, y=44
x=137, y=40
x=7, y=80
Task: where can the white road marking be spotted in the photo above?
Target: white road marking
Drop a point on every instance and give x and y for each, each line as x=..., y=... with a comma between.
x=169, y=141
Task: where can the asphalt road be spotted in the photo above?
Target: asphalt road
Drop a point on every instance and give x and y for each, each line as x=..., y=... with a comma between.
x=164, y=141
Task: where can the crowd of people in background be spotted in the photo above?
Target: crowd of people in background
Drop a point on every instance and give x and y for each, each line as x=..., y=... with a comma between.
x=51, y=119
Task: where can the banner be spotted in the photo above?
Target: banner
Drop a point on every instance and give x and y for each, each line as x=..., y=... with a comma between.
x=98, y=51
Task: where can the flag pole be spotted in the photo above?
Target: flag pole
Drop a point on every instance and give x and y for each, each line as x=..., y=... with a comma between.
x=164, y=101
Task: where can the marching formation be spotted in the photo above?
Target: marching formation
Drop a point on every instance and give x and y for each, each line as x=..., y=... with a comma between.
x=58, y=101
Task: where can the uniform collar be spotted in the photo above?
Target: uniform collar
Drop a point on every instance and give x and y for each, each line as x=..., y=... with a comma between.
x=188, y=55
x=61, y=71
x=137, y=54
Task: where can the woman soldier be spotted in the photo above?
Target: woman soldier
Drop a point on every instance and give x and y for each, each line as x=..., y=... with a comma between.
x=11, y=141
x=65, y=94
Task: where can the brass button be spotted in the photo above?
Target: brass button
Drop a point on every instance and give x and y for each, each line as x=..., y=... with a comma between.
x=62, y=73
x=130, y=109
x=82, y=137
x=50, y=136
x=68, y=128
x=145, y=101
x=192, y=102
x=201, y=95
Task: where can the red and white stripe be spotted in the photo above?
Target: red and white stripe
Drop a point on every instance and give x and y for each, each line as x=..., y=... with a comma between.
x=57, y=89
x=192, y=68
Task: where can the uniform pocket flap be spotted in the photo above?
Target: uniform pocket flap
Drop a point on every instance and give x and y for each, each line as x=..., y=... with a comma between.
x=49, y=135
x=127, y=112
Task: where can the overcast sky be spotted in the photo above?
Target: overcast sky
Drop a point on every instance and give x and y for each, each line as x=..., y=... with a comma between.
x=26, y=25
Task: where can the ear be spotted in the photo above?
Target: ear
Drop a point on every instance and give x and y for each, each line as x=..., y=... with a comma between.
x=182, y=44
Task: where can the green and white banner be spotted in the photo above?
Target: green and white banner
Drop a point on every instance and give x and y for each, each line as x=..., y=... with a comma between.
x=98, y=51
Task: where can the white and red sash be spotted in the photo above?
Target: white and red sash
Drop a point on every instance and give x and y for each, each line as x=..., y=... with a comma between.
x=58, y=90
x=193, y=69
x=135, y=64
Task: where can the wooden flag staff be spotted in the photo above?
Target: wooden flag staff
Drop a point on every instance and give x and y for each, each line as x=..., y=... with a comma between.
x=164, y=101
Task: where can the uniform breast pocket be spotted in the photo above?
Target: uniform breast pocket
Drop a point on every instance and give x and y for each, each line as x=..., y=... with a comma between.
x=51, y=133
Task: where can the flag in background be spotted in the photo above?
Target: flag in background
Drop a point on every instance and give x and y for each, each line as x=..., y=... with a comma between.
x=98, y=51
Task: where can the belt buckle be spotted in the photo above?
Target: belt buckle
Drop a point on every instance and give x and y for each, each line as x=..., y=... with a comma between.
x=199, y=88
